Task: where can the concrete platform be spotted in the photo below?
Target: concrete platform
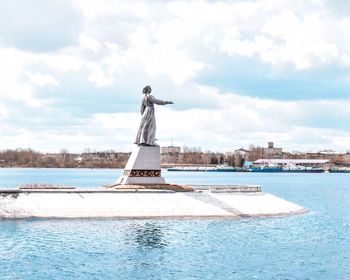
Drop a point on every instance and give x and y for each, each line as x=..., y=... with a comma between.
x=201, y=202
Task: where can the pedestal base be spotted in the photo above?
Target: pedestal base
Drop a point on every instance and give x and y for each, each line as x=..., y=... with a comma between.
x=143, y=167
x=164, y=187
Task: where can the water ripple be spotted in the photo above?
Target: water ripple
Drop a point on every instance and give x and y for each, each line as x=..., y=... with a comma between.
x=312, y=246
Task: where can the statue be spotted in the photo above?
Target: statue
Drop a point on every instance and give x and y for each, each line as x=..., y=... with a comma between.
x=147, y=130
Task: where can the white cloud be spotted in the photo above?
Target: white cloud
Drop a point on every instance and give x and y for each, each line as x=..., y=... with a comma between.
x=288, y=39
x=89, y=43
x=98, y=76
x=175, y=46
x=64, y=61
x=42, y=79
x=12, y=74
x=154, y=44
x=93, y=9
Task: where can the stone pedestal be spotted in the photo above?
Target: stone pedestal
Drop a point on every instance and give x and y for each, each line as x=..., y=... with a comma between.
x=143, y=167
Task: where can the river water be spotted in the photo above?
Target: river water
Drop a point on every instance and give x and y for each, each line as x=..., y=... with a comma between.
x=311, y=246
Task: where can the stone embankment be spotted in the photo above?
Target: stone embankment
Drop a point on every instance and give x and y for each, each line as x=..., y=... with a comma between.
x=144, y=202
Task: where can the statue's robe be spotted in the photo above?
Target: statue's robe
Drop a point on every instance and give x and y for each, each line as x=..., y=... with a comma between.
x=147, y=130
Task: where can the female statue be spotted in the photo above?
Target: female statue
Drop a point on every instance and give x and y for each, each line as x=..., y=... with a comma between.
x=147, y=130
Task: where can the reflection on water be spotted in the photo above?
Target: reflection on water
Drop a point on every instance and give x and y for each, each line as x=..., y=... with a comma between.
x=148, y=235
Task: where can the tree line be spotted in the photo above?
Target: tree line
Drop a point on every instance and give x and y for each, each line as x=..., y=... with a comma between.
x=107, y=159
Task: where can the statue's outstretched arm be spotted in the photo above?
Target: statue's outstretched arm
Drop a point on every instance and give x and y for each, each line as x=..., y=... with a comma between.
x=158, y=101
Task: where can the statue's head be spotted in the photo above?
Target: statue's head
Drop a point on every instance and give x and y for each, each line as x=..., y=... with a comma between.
x=147, y=89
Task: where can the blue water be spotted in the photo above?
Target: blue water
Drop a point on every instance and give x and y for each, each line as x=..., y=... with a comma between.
x=311, y=246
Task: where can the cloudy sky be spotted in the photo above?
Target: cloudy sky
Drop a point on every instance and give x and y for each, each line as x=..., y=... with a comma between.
x=239, y=72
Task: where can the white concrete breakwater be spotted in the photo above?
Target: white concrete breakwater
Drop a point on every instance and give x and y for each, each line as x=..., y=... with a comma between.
x=204, y=201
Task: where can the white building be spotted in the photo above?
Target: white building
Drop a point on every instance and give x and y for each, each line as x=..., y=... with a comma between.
x=288, y=162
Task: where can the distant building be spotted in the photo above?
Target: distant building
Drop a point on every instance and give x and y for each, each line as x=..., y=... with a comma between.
x=271, y=151
x=240, y=156
x=327, y=152
x=241, y=152
x=170, y=150
x=98, y=156
x=170, y=154
x=285, y=162
x=344, y=159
